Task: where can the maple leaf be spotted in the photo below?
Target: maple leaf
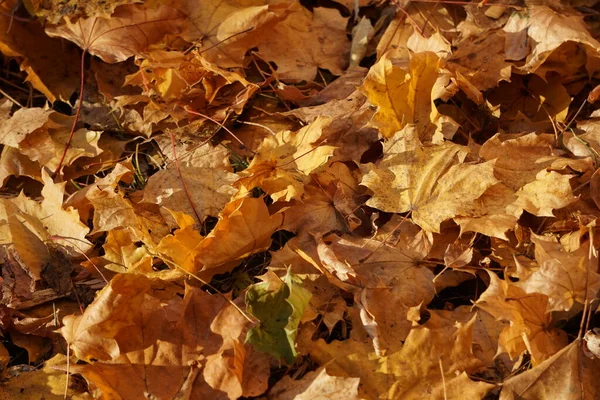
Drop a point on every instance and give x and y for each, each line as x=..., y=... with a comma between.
x=27, y=41
x=560, y=375
x=41, y=136
x=403, y=95
x=129, y=322
x=284, y=160
x=128, y=31
x=485, y=53
x=305, y=41
x=530, y=322
x=199, y=192
x=563, y=276
x=412, y=372
x=244, y=227
x=29, y=224
x=327, y=204
x=279, y=315
x=535, y=22
x=316, y=384
x=430, y=181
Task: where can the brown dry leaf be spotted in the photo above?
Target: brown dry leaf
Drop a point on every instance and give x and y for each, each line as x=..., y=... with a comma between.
x=565, y=277
x=430, y=181
x=21, y=124
x=480, y=61
x=175, y=81
x=386, y=281
x=549, y=191
x=244, y=227
x=327, y=204
x=535, y=153
x=128, y=32
x=49, y=380
x=490, y=215
x=29, y=225
x=122, y=254
x=531, y=327
x=402, y=93
x=41, y=135
x=414, y=372
x=55, y=11
x=305, y=41
x=199, y=192
x=316, y=385
x=226, y=30
x=569, y=375
x=27, y=41
x=191, y=151
x=112, y=210
x=400, y=37
x=285, y=159
x=142, y=343
x=546, y=30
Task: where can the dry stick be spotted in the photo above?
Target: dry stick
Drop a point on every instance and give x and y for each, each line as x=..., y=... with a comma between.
x=399, y=7
x=185, y=188
x=68, y=369
x=443, y=378
x=226, y=39
x=10, y=98
x=77, y=113
x=584, y=319
x=428, y=16
x=70, y=240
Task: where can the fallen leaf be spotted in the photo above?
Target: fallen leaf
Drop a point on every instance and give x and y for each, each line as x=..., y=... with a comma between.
x=104, y=37
x=305, y=41
x=402, y=93
x=199, y=192
x=568, y=374
x=430, y=181
x=316, y=384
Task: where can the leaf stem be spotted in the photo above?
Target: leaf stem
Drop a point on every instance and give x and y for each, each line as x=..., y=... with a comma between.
x=77, y=113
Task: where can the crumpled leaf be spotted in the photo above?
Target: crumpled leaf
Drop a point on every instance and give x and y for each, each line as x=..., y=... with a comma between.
x=245, y=227
x=284, y=160
x=546, y=29
x=29, y=225
x=55, y=11
x=279, y=313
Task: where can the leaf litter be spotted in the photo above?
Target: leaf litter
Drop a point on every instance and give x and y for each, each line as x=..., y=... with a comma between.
x=301, y=199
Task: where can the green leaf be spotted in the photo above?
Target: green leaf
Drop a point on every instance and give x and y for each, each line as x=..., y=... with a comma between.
x=279, y=314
